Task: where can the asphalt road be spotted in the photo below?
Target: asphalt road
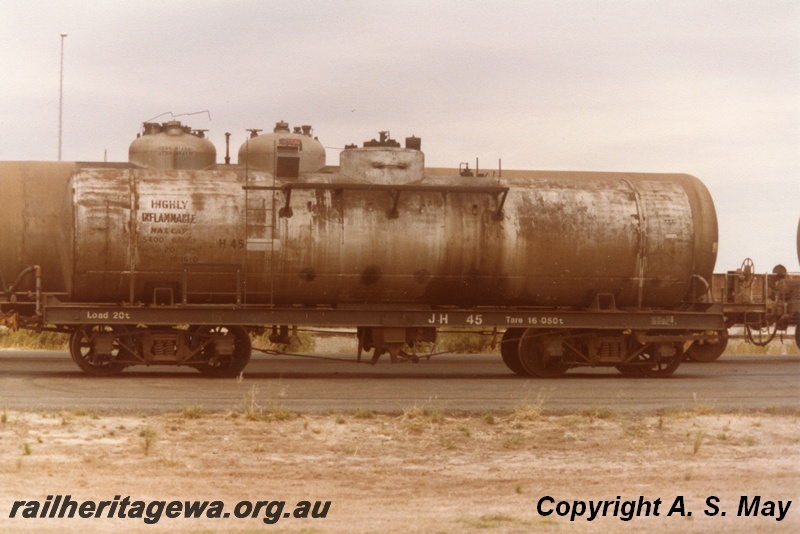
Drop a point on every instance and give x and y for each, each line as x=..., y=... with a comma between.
x=50, y=381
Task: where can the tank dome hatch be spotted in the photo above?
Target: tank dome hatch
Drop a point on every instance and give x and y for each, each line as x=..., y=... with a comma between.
x=283, y=151
x=384, y=161
x=172, y=145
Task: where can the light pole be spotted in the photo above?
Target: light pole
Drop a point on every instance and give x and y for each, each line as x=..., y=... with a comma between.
x=61, y=95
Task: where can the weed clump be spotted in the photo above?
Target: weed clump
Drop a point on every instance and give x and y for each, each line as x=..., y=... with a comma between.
x=269, y=410
x=598, y=412
x=148, y=436
x=698, y=440
x=193, y=412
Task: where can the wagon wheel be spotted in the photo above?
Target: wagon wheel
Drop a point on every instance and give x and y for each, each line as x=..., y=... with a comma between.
x=661, y=360
x=538, y=355
x=708, y=350
x=509, y=350
x=84, y=347
x=220, y=365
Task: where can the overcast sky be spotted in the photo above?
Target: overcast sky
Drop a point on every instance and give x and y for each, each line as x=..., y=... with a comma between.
x=710, y=88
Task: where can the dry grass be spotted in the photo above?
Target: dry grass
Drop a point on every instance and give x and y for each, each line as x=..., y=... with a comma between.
x=778, y=347
x=30, y=340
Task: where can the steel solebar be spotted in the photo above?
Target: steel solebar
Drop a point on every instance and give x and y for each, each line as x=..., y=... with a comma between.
x=712, y=319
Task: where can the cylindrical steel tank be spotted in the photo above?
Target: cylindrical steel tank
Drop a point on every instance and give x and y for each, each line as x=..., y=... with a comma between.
x=258, y=152
x=561, y=239
x=172, y=145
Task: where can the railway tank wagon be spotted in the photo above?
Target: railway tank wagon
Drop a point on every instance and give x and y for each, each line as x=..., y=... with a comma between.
x=577, y=268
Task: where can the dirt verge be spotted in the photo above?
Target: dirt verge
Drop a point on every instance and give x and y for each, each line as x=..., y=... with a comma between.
x=419, y=471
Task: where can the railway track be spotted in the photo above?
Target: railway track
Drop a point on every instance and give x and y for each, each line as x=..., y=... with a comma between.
x=48, y=381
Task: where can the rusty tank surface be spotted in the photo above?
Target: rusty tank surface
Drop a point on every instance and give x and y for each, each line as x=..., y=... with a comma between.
x=578, y=268
x=379, y=232
x=32, y=218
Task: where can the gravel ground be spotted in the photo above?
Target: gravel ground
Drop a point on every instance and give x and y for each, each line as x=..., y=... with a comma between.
x=422, y=470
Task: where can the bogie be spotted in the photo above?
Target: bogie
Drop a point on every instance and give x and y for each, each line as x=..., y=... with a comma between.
x=219, y=351
x=550, y=353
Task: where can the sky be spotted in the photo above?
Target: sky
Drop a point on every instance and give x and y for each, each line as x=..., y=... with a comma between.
x=708, y=88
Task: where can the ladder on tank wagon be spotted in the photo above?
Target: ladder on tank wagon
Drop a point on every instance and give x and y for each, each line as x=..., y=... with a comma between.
x=259, y=245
